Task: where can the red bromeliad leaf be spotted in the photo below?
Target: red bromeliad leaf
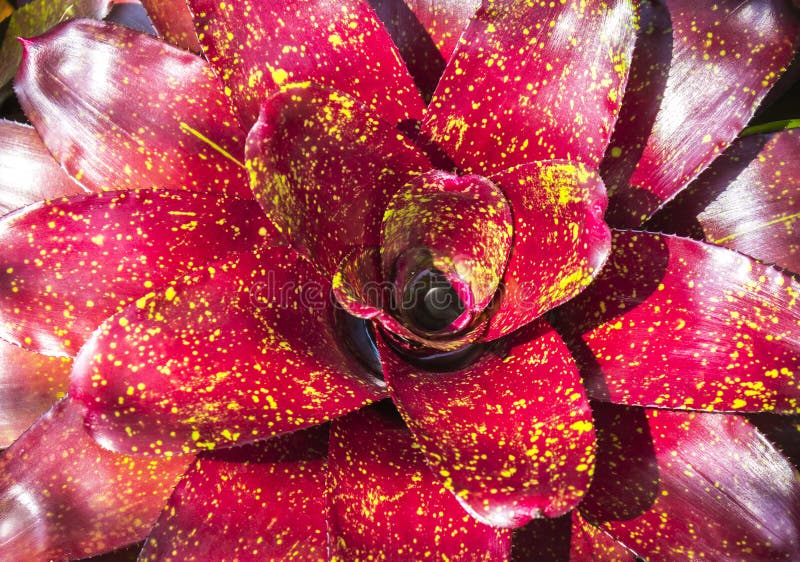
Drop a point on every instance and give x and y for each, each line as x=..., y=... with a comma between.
x=558, y=211
x=123, y=110
x=460, y=226
x=68, y=264
x=28, y=172
x=174, y=23
x=29, y=384
x=764, y=171
x=323, y=167
x=691, y=485
x=384, y=499
x=675, y=323
x=697, y=78
x=264, y=501
x=64, y=497
x=511, y=434
x=558, y=68
x=257, y=47
x=37, y=17
x=445, y=20
x=241, y=351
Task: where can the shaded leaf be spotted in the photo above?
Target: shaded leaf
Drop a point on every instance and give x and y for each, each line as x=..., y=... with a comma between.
x=173, y=21
x=762, y=170
x=697, y=78
x=707, y=485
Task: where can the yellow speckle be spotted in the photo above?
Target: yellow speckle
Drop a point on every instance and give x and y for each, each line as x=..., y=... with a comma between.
x=279, y=76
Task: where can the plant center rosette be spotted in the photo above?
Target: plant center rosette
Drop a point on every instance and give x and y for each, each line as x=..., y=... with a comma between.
x=445, y=264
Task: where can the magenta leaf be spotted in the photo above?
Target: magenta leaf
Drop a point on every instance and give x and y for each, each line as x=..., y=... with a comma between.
x=675, y=323
x=510, y=435
x=258, y=47
x=264, y=501
x=28, y=172
x=689, y=485
x=123, y=110
x=558, y=226
x=68, y=264
x=323, y=166
x=238, y=352
x=536, y=81
x=764, y=171
x=697, y=78
x=64, y=497
x=29, y=384
x=384, y=499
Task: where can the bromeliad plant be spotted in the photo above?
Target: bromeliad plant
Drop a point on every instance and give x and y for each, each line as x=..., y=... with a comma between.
x=350, y=324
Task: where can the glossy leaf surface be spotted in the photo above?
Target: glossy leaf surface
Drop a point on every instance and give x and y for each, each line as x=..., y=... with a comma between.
x=511, y=434
x=29, y=384
x=560, y=240
x=675, y=323
x=264, y=501
x=123, y=110
x=557, y=67
x=68, y=264
x=35, y=18
x=323, y=167
x=680, y=485
x=64, y=497
x=240, y=351
x=762, y=170
x=28, y=172
x=257, y=47
x=384, y=501
x=697, y=77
